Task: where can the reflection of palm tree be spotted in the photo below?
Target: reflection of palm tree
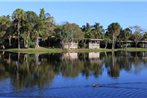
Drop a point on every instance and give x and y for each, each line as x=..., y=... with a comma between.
x=97, y=70
x=114, y=71
x=112, y=66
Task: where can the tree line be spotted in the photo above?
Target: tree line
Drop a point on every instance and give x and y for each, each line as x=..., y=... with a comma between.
x=25, y=29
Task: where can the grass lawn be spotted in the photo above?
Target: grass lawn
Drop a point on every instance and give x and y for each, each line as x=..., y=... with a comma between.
x=135, y=49
x=39, y=50
x=42, y=50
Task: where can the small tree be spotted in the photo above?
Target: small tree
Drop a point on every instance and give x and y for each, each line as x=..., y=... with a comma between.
x=68, y=32
x=145, y=36
x=136, y=36
x=125, y=35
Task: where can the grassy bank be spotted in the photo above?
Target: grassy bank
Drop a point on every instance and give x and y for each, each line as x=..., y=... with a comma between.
x=109, y=50
x=40, y=50
x=58, y=50
x=134, y=49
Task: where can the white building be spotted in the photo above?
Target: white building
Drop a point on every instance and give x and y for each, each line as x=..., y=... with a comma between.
x=71, y=45
x=94, y=43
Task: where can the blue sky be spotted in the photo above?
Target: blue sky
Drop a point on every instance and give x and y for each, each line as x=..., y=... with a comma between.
x=126, y=13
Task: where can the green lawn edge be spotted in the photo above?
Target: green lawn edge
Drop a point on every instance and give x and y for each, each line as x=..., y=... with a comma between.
x=59, y=50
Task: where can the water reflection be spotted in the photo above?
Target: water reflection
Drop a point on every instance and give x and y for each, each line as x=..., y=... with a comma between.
x=27, y=70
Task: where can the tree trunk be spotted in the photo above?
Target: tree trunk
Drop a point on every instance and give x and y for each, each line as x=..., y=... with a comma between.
x=62, y=44
x=27, y=40
x=126, y=45
x=9, y=41
x=18, y=27
x=113, y=42
x=136, y=44
x=37, y=42
x=68, y=45
x=26, y=44
x=106, y=45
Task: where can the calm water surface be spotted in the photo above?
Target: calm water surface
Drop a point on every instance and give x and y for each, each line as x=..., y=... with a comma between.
x=74, y=75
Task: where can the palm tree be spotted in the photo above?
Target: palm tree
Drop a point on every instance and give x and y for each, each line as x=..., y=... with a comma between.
x=28, y=28
x=19, y=17
x=114, y=30
x=86, y=29
x=97, y=31
x=44, y=27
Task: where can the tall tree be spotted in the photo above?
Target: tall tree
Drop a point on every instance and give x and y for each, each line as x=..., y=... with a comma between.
x=40, y=27
x=31, y=20
x=114, y=30
x=19, y=17
x=44, y=27
x=51, y=26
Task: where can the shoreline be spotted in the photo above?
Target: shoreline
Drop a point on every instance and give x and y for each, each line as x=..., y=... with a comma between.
x=59, y=50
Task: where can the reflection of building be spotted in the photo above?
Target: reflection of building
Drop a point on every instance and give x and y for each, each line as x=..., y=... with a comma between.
x=93, y=55
x=144, y=55
x=70, y=55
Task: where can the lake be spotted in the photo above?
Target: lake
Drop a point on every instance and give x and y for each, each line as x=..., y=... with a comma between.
x=74, y=75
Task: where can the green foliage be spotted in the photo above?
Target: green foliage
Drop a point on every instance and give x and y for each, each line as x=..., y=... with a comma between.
x=95, y=31
x=125, y=34
x=114, y=29
x=42, y=14
x=19, y=15
x=68, y=32
x=31, y=43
